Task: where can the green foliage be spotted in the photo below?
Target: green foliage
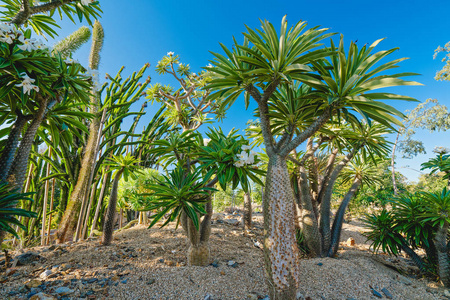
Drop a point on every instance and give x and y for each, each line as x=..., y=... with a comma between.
x=8, y=210
x=180, y=192
x=45, y=24
x=128, y=164
x=440, y=163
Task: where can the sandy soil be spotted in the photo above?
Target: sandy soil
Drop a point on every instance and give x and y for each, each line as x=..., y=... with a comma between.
x=150, y=264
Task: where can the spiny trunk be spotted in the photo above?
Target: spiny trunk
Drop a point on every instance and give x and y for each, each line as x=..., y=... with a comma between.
x=339, y=219
x=281, y=254
x=413, y=255
x=325, y=206
x=309, y=222
x=394, y=182
x=198, y=253
x=108, y=226
x=441, y=247
x=19, y=166
x=11, y=145
x=78, y=197
x=247, y=211
x=99, y=202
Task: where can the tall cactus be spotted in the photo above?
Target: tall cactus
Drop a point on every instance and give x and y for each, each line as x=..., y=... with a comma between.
x=73, y=42
x=77, y=200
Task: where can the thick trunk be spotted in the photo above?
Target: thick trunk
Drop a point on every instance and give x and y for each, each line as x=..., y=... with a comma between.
x=78, y=197
x=413, y=255
x=281, y=254
x=108, y=226
x=339, y=219
x=198, y=253
x=309, y=222
x=247, y=211
x=11, y=145
x=394, y=147
x=441, y=247
x=19, y=166
x=325, y=206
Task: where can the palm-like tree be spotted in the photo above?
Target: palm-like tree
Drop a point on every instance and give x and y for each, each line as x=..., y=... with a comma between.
x=257, y=68
x=120, y=165
x=438, y=212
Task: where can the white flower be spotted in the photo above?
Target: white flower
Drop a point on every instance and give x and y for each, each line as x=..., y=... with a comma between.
x=206, y=141
x=8, y=38
x=245, y=147
x=40, y=45
x=28, y=45
x=27, y=84
x=86, y=2
x=170, y=53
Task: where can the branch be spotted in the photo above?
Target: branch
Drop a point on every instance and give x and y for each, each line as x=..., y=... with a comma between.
x=313, y=128
x=264, y=118
x=26, y=11
x=212, y=182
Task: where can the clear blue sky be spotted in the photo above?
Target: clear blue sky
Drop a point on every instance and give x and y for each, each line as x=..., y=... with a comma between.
x=140, y=31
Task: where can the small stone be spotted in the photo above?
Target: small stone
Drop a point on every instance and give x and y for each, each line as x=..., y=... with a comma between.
x=320, y=264
x=33, y=283
x=27, y=258
x=161, y=260
x=231, y=262
x=376, y=294
x=151, y=281
x=386, y=293
x=350, y=242
x=62, y=291
x=44, y=275
x=222, y=272
x=42, y=296
x=215, y=263
x=124, y=281
x=208, y=297
x=92, y=280
x=446, y=293
x=115, y=278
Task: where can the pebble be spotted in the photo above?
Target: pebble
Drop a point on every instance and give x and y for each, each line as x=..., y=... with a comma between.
x=151, y=281
x=33, y=283
x=42, y=296
x=376, y=294
x=27, y=258
x=386, y=293
x=62, y=291
x=44, y=275
x=320, y=264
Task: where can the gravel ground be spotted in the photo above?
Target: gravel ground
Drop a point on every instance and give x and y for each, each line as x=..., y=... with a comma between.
x=150, y=264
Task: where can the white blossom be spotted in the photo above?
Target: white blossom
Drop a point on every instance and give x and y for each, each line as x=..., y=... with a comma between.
x=8, y=38
x=86, y=2
x=170, y=53
x=28, y=45
x=27, y=84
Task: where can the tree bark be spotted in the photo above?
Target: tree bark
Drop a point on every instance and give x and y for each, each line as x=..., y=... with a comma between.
x=339, y=219
x=108, y=226
x=247, y=218
x=441, y=247
x=394, y=147
x=99, y=202
x=12, y=143
x=281, y=254
x=19, y=166
x=309, y=220
x=78, y=197
x=199, y=253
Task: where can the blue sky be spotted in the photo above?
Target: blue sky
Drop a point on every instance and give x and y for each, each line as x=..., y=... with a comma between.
x=140, y=31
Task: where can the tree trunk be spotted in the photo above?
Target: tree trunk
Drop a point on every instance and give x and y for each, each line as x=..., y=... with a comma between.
x=108, y=226
x=339, y=219
x=198, y=253
x=19, y=166
x=394, y=147
x=281, y=254
x=325, y=206
x=247, y=211
x=441, y=247
x=309, y=222
x=44, y=205
x=99, y=202
x=78, y=197
x=11, y=145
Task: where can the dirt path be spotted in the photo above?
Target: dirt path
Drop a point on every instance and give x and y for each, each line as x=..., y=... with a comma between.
x=150, y=264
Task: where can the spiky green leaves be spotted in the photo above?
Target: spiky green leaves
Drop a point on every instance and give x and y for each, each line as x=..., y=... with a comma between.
x=8, y=210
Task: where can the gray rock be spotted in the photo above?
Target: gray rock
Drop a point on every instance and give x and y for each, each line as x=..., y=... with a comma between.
x=404, y=280
x=376, y=294
x=215, y=263
x=208, y=297
x=233, y=222
x=386, y=293
x=151, y=281
x=44, y=275
x=62, y=291
x=27, y=258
